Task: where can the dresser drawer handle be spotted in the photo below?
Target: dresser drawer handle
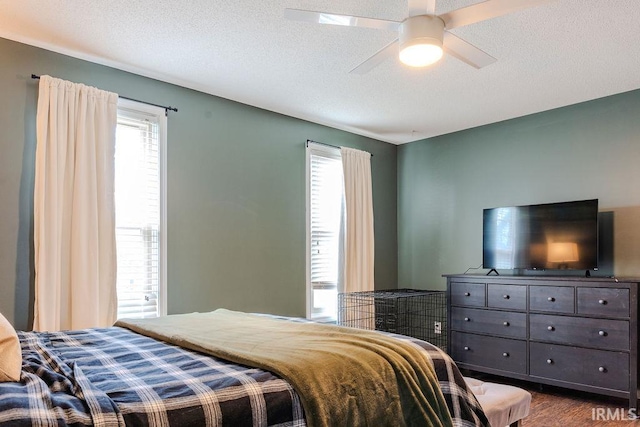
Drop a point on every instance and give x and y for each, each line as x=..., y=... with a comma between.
x=466, y=348
x=505, y=354
x=551, y=328
x=602, y=301
x=466, y=319
x=506, y=296
x=551, y=299
x=549, y=361
x=505, y=323
x=467, y=294
x=602, y=369
x=602, y=333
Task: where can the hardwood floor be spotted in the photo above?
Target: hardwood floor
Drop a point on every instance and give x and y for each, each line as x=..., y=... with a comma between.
x=559, y=407
x=551, y=407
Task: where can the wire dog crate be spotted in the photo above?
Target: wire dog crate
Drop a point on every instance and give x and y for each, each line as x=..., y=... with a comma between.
x=415, y=313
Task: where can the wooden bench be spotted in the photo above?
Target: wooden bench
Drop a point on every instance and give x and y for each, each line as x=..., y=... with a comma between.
x=504, y=405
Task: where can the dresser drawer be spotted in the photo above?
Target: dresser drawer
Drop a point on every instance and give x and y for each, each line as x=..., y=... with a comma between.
x=501, y=323
x=512, y=297
x=607, y=302
x=596, y=333
x=497, y=353
x=464, y=293
x=557, y=299
x=599, y=368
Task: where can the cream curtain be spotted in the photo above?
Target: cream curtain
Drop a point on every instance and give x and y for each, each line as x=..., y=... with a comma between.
x=358, y=245
x=74, y=215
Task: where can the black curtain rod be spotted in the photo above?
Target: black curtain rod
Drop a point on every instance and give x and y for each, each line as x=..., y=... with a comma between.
x=169, y=108
x=325, y=144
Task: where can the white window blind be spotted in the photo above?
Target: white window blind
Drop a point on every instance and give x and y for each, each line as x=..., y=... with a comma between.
x=139, y=210
x=325, y=194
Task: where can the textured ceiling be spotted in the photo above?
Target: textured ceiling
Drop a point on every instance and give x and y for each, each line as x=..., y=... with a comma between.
x=549, y=56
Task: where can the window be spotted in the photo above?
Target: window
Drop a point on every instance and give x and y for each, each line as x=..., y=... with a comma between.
x=140, y=209
x=324, y=206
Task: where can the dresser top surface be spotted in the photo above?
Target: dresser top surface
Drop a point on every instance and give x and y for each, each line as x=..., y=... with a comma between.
x=525, y=279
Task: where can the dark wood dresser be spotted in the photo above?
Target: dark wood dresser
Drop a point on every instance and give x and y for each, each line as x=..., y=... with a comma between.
x=574, y=332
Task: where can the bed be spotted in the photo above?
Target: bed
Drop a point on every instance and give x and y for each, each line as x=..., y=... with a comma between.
x=117, y=376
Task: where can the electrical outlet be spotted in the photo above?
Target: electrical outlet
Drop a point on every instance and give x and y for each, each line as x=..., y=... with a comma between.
x=437, y=327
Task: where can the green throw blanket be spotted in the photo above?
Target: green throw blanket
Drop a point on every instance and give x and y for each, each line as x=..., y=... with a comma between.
x=344, y=376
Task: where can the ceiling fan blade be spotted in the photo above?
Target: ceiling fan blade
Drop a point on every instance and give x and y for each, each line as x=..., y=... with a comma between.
x=466, y=52
x=335, y=19
x=422, y=7
x=377, y=58
x=486, y=10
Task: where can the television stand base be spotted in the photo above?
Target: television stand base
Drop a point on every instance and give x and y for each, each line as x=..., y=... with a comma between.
x=494, y=270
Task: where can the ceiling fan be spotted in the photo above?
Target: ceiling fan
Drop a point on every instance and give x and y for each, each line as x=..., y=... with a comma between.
x=423, y=35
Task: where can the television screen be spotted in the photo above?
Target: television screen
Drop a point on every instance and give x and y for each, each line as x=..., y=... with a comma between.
x=545, y=237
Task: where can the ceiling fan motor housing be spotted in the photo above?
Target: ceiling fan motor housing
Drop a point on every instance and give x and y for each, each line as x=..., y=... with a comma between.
x=424, y=31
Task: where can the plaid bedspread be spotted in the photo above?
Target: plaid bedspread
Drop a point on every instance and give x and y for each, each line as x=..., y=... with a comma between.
x=112, y=376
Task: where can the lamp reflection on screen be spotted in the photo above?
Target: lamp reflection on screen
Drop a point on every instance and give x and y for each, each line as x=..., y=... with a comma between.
x=562, y=253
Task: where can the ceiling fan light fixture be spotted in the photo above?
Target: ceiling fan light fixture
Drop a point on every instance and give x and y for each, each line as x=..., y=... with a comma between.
x=421, y=40
x=420, y=55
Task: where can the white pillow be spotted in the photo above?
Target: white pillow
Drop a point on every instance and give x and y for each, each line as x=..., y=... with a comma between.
x=10, y=352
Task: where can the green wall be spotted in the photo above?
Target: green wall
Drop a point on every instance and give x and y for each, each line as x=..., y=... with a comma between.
x=236, y=195
x=236, y=191
x=588, y=150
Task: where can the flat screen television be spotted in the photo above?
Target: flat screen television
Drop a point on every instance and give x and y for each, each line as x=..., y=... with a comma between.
x=548, y=236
